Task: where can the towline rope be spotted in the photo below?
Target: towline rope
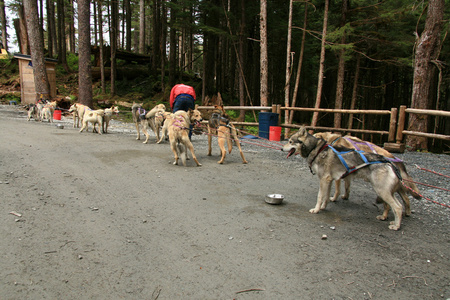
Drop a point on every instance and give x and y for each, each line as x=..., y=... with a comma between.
x=428, y=199
x=431, y=171
x=242, y=140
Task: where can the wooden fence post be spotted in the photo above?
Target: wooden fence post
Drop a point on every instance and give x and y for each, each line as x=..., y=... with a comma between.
x=392, y=124
x=401, y=123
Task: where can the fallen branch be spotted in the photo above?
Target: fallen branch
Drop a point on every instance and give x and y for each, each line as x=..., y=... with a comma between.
x=250, y=290
x=416, y=277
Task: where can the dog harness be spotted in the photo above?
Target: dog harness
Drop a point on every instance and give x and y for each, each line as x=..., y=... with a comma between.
x=352, y=169
x=370, y=145
x=218, y=120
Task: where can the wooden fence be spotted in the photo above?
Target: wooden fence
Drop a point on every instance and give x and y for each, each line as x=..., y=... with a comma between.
x=395, y=132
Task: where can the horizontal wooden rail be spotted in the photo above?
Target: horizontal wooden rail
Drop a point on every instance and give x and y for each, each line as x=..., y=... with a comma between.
x=344, y=111
x=401, y=132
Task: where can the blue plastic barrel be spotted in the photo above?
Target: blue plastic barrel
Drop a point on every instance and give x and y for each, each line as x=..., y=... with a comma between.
x=267, y=119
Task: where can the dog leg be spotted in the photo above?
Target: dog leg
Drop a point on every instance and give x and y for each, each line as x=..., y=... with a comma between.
x=386, y=206
x=145, y=131
x=189, y=145
x=238, y=144
x=173, y=146
x=323, y=195
x=337, y=190
x=210, y=132
x=137, y=129
x=347, y=182
x=221, y=136
x=396, y=209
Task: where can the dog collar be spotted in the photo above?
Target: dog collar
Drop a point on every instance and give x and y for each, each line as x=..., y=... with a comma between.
x=315, y=156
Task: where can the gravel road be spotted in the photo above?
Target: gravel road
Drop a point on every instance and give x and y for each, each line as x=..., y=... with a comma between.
x=88, y=216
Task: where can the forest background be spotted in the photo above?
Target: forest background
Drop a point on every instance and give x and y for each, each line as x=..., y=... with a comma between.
x=360, y=54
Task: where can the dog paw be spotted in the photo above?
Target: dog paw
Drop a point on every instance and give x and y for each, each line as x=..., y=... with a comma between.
x=313, y=211
x=332, y=199
x=381, y=218
x=344, y=197
x=394, y=227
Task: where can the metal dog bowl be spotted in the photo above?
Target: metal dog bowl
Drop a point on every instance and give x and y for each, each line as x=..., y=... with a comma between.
x=60, y=126
x=274, y=198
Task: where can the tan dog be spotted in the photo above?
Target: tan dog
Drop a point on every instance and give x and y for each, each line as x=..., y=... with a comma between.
x=77, y=110
x=108, y=116
x=219, y=125
x=150, y=121
x=165, y=125
x=178, y=128
x=95, y=117
x=47, y=111
x=352, y=142
x=324, y=162
x=144, y=119
x=33, y=112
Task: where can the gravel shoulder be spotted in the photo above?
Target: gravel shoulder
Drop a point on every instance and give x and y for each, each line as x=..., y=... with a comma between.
x=88, y=216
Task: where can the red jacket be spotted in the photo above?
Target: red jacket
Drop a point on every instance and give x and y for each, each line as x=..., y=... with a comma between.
x=180, y=89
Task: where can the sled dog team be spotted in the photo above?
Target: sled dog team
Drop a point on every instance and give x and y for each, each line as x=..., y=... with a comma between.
x=331, y=156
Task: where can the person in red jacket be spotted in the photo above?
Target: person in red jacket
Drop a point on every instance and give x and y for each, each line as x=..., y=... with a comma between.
x=182, y=97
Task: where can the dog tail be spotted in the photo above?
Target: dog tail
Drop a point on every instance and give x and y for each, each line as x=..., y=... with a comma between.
x=134, y=110
x=412, y=188
x=182, y=153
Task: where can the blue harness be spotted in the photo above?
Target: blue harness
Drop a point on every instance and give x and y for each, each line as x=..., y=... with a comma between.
x=352, y=169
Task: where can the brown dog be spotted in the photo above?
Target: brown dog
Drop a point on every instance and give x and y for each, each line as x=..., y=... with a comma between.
x=178, y=128
x=352, y=142
x=219, y=125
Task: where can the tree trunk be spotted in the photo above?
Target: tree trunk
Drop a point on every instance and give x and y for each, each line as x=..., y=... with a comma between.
x=4, y=25
x=141, y=26
x=241, y=62
x=41, y=82
x=53, y=41
x=300, y=63
x=102, y=53
x=94, y=8
x=162, y=44
x=355, y=90
x=287, y=87
x=23, y=36
x=62, y=49
x=341, y=70
x=427, y=50
x=128, y=12
x=322, y=65
x=173, y=43
x=113, y=41
x=84, y=53
x=49, y=29
x=263, y=54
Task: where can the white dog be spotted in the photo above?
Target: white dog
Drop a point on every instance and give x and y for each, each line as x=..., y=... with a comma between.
x=47, y=112
x=108, y=116
x=77, y=110
x=94, y=117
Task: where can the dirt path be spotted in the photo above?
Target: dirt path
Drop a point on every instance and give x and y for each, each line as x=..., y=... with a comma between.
x=108, y=217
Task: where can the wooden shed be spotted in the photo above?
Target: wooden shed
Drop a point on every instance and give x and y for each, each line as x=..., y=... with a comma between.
x=27, y=87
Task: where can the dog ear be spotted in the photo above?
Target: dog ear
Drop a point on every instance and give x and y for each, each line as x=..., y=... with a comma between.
x=196, y=106
x=302, y=131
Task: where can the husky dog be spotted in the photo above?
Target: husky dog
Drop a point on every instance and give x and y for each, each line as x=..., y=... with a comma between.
x=325, y=162
x=94, y=117
x=77, y=110
x=108, y=116
x=219, y=125
x=352, y=142
x=33, y=112
x=146, y=119
x=166, y=116
x=178, y=128
x=47, y=111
